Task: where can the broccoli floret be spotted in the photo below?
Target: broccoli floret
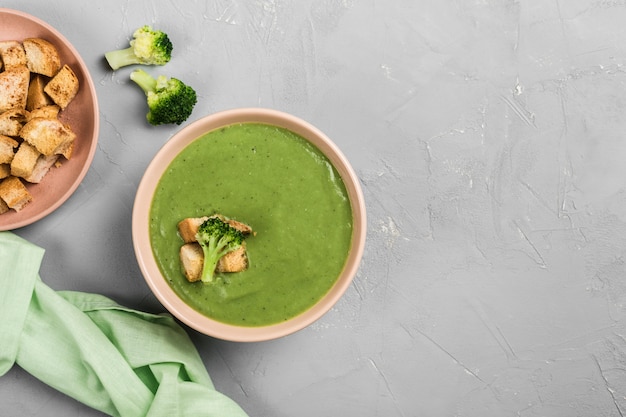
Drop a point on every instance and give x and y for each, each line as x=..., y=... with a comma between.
x=169, y=100
x=148, y=47
x=217, y=238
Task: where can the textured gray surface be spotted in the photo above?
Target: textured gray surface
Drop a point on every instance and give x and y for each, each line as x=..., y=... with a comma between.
x=490, y=138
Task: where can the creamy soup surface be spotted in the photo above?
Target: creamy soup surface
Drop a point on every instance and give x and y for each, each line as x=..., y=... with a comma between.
x=287, y=191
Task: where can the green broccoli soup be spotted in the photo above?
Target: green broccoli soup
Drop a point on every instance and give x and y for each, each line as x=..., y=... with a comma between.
x=288, y=192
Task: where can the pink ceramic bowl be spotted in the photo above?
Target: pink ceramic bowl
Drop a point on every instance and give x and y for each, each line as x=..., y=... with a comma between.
x=151, y=271
x=82, y=115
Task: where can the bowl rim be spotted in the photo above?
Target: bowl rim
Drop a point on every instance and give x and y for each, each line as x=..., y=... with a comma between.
x=140, y=230
x=25, y=221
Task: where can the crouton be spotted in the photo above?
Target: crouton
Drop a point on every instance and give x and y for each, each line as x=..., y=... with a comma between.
x=192, y=261
x=48, y=136
x=7, y=149
x=36, y=97
x=41, y=168
x=12, y=54
x=235, y=261
x=3, y=207
x=14, y=88
x=66, y=150
x=242, y=227
x=14, y=193
x=45, y=112
x=24, y=161
x=5, y=170
x=187, y=228
x=42, y=57
x=11, y=121
x=63, y=87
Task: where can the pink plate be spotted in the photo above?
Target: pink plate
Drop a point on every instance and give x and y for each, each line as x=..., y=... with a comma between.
x=82, y=115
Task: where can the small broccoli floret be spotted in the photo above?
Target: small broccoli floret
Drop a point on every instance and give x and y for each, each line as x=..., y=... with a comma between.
x=217, y=238
x=148, y=47
x=169, y=100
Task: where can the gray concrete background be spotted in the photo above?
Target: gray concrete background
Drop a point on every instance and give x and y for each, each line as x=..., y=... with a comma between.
x=490, y=139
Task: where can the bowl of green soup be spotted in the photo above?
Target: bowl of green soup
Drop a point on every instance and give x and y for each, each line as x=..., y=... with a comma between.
x=290, y=184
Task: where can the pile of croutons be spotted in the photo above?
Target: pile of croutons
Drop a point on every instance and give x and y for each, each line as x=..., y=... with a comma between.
x=35, y=86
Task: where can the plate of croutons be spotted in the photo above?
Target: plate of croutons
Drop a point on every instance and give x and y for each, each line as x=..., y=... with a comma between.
x=48, y=119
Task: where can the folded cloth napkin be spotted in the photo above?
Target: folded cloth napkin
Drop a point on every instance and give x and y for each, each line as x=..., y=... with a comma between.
x=117, y=360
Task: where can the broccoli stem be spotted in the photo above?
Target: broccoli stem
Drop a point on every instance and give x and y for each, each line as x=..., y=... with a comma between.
x=208, y=269
x=213, y=251
x=121, y=57
x=144, y=80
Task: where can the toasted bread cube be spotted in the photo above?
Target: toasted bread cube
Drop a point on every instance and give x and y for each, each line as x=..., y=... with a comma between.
x=242, y=227
x=37, y=98
x=42, y=57
x=45, y=112
x=41, y=168
x=187, y=228
x=3, y=207
x=192, y=260
x=7, y=149
x=24, y=161
x=14, y=193
x=5, y=170
x=11, y=121
x=235, y=261
x=14, y=88
x=67, y=150
x=63, y=87
x=12, y=54
x=48, y=136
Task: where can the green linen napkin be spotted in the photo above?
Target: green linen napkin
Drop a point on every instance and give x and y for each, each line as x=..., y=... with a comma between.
x=120, y=361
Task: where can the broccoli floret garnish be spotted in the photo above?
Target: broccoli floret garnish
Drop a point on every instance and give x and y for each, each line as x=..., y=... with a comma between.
x=217, y=238
x=148, y=47
x=169, y=100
